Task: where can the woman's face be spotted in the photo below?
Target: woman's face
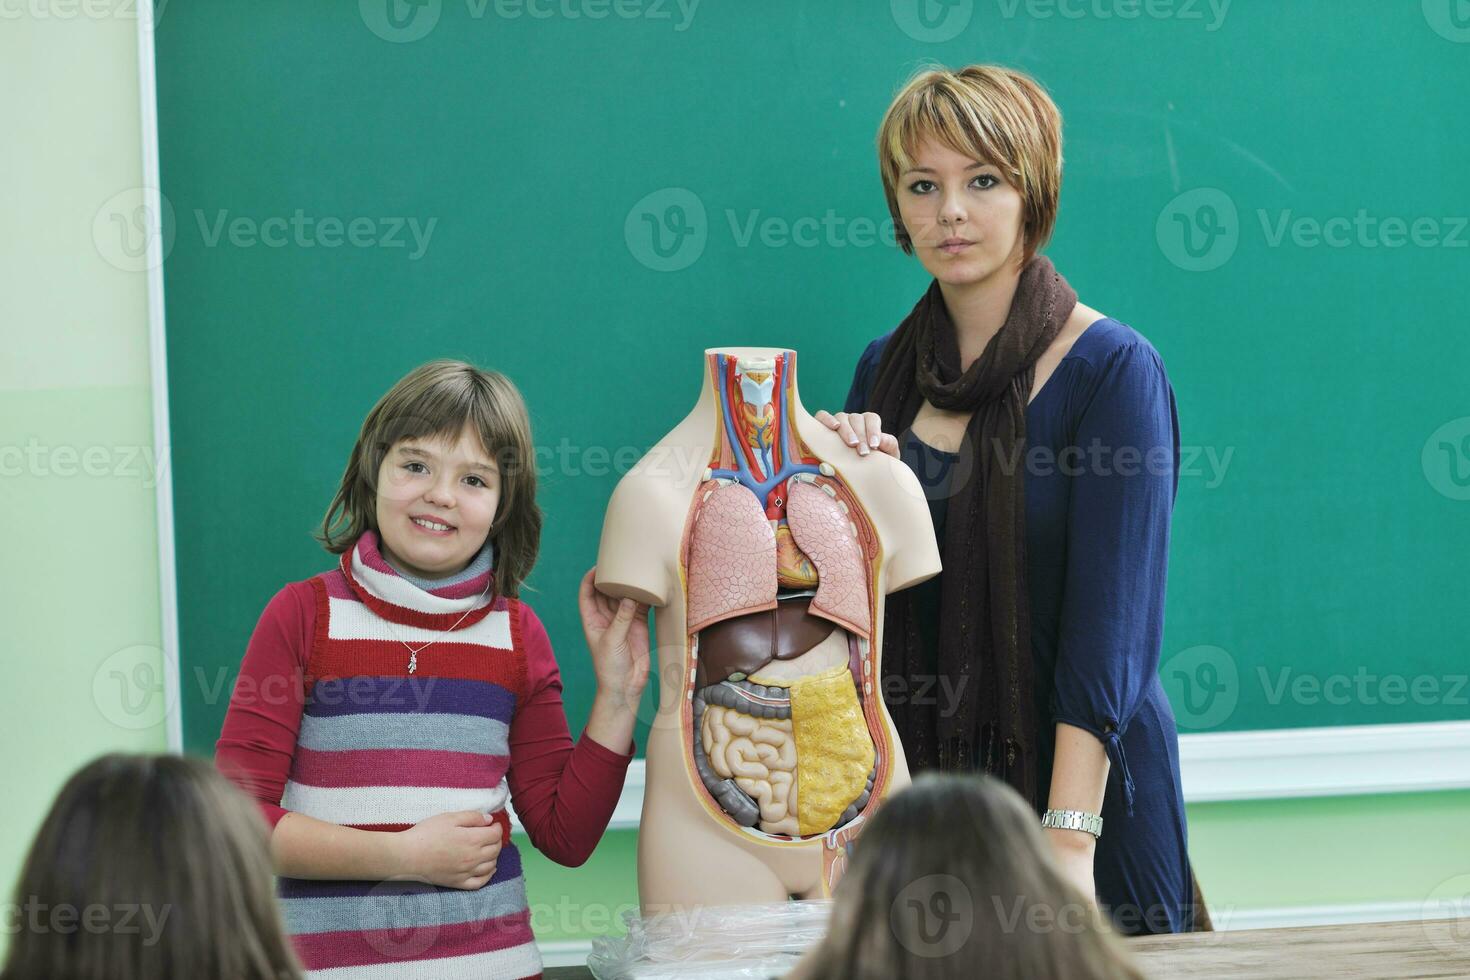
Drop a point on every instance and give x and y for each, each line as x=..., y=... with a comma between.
x=433, y=481
x=948, y=197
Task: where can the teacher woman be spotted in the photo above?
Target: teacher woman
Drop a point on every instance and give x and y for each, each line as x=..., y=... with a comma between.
x=1046, y=437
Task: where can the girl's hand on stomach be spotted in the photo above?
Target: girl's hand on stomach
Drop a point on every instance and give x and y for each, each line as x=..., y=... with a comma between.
x=862, y=431
x=453, y=850
x=617, y=637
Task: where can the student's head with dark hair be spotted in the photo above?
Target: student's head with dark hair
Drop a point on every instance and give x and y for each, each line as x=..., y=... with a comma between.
x=953, y=879
x=148, y=868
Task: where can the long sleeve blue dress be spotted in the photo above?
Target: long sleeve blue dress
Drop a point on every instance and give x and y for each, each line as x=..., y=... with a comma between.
x=1101, y=475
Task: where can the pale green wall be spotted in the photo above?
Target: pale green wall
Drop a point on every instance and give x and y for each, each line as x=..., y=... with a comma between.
x=1330, y=850
x=80, y=579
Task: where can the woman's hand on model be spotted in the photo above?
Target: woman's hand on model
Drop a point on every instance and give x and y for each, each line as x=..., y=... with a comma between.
x=862, y=431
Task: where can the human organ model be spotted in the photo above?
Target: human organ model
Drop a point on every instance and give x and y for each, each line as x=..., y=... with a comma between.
x=766, y=545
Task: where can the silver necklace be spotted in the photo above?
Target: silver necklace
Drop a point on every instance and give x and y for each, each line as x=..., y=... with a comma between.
x=413, y=652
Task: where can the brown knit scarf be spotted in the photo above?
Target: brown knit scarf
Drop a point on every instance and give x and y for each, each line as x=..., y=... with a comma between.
x=984, y=656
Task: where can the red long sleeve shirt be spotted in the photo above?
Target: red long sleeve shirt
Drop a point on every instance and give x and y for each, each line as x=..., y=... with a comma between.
x=563, y=793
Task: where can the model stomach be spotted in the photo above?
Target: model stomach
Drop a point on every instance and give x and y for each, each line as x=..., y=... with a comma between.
x=780, y=737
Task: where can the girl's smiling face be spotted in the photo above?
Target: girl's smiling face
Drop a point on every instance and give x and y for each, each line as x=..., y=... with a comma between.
x=947, y=196
x=427, y=482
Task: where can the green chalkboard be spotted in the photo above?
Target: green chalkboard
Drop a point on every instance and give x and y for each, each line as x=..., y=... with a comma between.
x=585, y=194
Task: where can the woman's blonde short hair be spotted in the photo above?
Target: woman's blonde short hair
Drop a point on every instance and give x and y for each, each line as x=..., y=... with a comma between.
x=989, y=112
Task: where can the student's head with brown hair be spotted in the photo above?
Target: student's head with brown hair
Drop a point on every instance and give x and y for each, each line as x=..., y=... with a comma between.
x=443, y=461
x=148, y=868
x=953, y=879
x=973, y=154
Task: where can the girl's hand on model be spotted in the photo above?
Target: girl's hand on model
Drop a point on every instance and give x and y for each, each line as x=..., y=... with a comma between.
x=453, y=850
x=862, y=431
x=617, y=637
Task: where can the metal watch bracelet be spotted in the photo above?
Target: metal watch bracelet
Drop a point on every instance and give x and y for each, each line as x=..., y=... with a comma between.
x=1073, y=820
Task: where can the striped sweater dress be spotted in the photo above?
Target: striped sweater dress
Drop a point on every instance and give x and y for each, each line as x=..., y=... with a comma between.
x=380, y=748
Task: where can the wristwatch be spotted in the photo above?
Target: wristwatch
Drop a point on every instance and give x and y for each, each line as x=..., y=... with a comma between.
x=1073, y=820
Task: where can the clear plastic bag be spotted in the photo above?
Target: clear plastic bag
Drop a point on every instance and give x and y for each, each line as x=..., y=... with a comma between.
x=715, y=942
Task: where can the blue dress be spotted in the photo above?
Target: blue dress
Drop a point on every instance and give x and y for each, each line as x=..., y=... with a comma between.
x=1100, y=474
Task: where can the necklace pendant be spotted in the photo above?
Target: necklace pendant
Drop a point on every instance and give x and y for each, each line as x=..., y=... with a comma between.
x=413, y=662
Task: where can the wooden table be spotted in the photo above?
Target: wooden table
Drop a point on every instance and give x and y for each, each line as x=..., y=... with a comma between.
x=1379, y=950
x=1370, y=951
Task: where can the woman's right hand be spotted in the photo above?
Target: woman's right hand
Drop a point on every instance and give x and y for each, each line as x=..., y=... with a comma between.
x=453, y=850
x=861, y=430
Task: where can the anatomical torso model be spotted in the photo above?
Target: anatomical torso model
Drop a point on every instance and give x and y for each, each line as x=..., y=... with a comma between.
x=766, y=545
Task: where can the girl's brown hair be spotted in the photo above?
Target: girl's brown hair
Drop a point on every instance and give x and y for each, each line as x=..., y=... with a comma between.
x=149, y=868
x=435, y=401
x=991, y=113
x=953, y=879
